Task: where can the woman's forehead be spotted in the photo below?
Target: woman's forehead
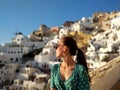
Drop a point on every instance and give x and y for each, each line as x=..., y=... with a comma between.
x=60, y=41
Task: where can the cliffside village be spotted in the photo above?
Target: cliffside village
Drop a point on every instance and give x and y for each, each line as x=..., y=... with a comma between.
x=20, y=73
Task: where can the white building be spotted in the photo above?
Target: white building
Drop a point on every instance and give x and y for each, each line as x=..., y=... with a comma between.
x=32, y=41
x=84, y=22
x=106, y=41
x=39, y=83
x=29, y=78
x=12, y=52
x=7, y=72
x=47, y=58
x=64, y=31
x=115, y=23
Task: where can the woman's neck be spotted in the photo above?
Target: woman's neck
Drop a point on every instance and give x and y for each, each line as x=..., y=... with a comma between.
x=68, y=61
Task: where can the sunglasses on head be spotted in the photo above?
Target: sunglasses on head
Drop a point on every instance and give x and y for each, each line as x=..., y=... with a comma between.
x=58, y=46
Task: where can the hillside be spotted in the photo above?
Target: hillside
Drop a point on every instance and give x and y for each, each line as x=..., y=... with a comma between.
x=98, y=22
x=80, y=37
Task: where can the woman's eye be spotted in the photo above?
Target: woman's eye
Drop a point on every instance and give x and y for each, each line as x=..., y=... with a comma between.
x=56, y=46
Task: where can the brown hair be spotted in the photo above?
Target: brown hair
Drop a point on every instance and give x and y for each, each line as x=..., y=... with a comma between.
x=72, y=45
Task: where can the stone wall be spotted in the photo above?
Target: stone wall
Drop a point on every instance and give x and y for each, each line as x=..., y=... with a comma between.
x=111, y=75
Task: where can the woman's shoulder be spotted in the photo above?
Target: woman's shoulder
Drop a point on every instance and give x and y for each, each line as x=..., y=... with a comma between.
x=54, y=67
x=80, y=67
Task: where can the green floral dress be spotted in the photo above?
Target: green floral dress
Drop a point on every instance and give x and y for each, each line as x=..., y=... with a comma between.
x=79, y=79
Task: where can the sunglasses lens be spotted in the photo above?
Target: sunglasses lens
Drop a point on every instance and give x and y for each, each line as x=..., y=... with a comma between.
x=56, y=46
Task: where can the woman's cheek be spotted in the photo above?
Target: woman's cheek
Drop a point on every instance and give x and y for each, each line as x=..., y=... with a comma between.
x=58, y=54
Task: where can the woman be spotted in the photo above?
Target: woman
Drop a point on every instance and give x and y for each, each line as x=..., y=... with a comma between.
x=69, y=74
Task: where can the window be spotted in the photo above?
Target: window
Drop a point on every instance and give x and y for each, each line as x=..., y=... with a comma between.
x=7, y=71
x=1, y=72
x=107, y=24
x=11, y=66
x=7, y=67
x=88, y=20
x=27, y=71
x=11, y=59
x=22, y=39
x=21, y=82
x=16, y=59
x=5, y=74
x=15, y=82
x=27, y=85
x=5, y=62
x=20, y=88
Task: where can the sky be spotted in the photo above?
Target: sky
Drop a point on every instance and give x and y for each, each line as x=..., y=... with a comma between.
x=27, y=15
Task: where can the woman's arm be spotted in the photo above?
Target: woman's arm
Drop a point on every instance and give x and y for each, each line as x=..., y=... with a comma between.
x=84, y=83
x=53, y=89
x=52, y=81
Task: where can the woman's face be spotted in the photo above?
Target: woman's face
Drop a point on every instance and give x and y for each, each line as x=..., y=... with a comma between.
x=60, y=48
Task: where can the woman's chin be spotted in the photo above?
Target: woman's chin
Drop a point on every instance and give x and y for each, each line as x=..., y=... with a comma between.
x=58, y=56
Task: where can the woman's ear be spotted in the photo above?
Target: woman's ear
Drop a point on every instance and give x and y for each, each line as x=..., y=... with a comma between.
x=65, y=48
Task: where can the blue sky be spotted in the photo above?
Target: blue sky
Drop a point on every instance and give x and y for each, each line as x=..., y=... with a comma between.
x=26, y=15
